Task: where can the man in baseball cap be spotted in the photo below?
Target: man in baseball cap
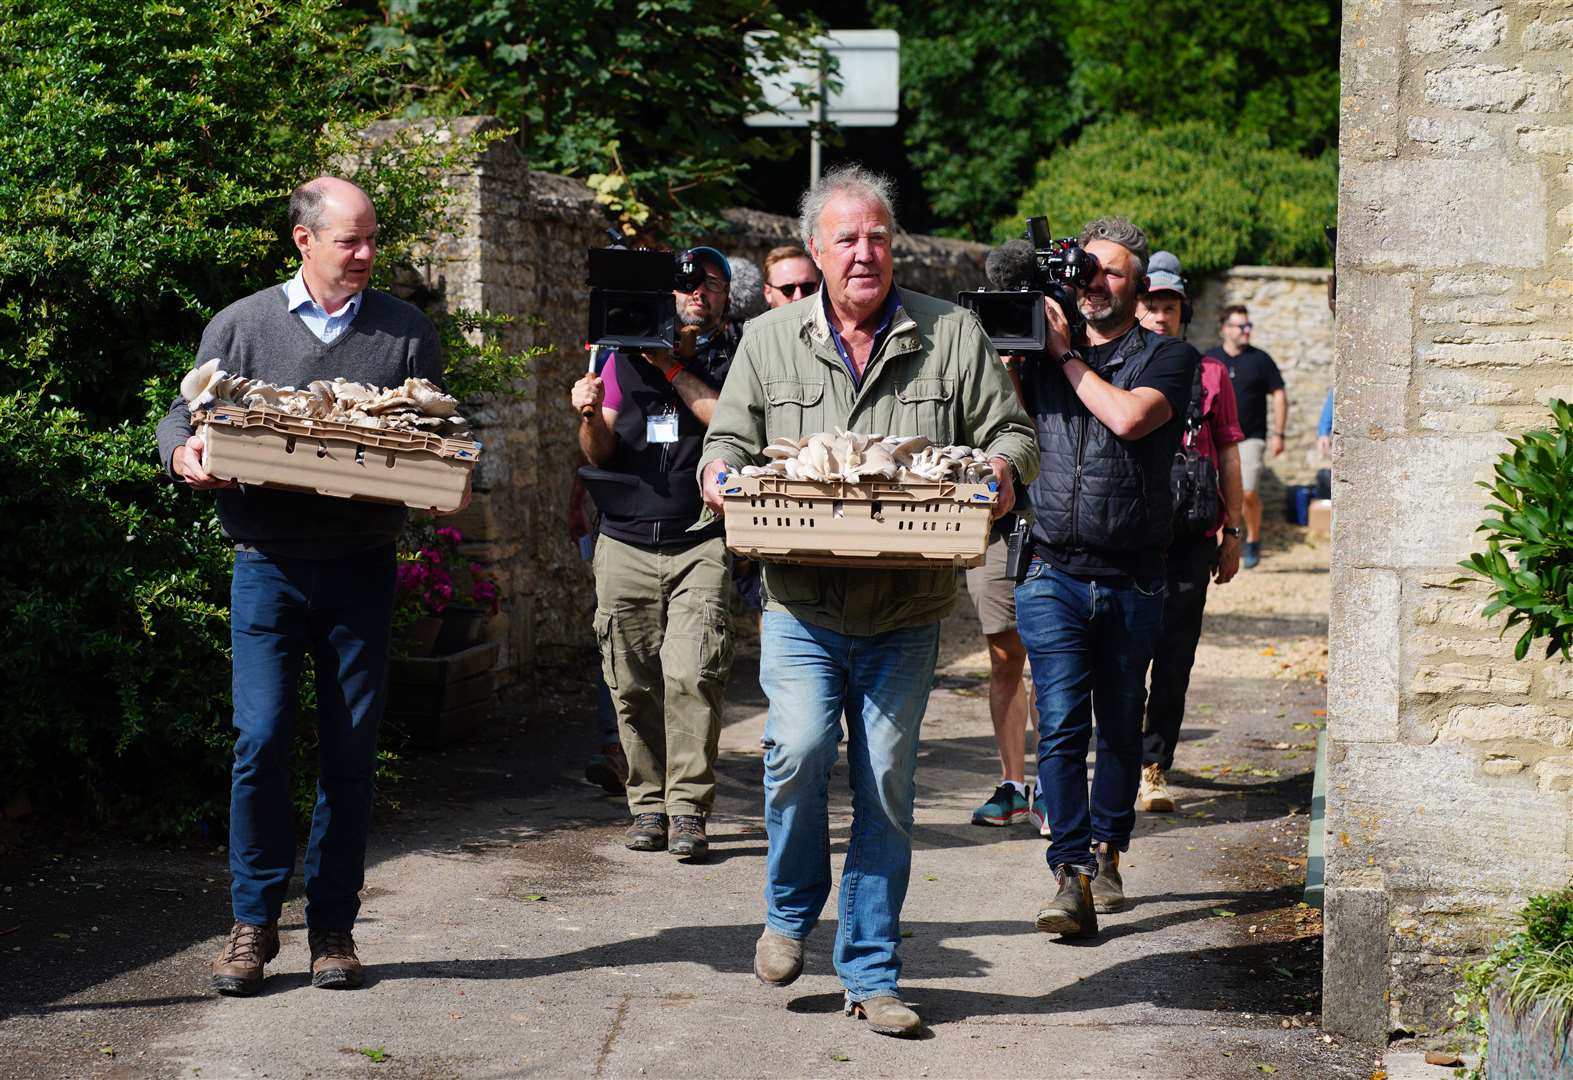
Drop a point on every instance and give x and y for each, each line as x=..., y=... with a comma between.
x=1193, y=559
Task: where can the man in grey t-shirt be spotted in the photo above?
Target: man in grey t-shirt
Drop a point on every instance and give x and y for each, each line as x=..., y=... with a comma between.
x=313, y=575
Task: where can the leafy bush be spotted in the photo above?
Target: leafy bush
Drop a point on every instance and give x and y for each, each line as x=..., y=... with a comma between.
x=1532, y=522
x=116, y=638
x=1534, y=967
x=1214, y=199
x=146, y=155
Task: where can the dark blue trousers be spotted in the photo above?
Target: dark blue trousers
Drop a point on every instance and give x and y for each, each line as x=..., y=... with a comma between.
x=339, y=611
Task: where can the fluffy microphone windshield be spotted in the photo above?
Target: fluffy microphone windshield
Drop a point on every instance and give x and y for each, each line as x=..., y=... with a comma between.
x=748, y=290
x=1010, y=266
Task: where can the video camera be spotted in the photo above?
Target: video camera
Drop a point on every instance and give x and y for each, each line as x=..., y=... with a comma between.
x=631, y=301
x=1022, y=273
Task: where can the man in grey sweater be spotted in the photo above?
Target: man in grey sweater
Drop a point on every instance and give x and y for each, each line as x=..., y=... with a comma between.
x=313, y=574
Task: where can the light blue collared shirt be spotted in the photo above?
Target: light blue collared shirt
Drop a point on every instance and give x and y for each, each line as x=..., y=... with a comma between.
x=326, y=327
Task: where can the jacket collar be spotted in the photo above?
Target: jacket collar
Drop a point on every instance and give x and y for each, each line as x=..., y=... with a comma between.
x=816, y=326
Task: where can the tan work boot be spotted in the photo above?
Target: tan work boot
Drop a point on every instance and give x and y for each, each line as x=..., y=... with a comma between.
x=1108, y=891
x=1153, y=794
x=1071, y=912
x=237, y=972
x=886, y=1014
x=778, y=959
x=334, y=965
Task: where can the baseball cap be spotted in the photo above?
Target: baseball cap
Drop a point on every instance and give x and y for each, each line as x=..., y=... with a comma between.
x=1163, y=274
x=714, y=258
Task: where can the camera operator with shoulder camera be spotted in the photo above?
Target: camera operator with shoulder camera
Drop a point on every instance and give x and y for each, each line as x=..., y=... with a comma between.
x=1090, y=609
x=662, y=618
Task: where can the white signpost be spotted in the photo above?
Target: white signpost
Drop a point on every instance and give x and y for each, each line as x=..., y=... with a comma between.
x=868, y=67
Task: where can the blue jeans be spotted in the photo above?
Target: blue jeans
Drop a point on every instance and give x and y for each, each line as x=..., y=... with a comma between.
x=882, y=682
x=1089, y=641
x=341, y=610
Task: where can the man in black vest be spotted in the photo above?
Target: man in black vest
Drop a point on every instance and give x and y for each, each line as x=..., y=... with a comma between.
x=661, y=617
x=1091, y=607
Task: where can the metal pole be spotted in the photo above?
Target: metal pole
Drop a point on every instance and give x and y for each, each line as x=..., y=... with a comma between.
x=823, y=111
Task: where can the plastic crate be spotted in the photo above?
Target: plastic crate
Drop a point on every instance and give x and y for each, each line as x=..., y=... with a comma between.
x=329, y=457
x=915, y=526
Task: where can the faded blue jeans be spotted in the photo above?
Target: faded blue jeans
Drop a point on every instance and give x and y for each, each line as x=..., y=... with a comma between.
x=882, y=682
x=1089, y=641
x=341, y=612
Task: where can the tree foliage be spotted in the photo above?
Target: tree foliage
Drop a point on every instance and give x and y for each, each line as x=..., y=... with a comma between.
x=1215, y=199
x=646, y=96
x=1256, y=69
x=985, y=89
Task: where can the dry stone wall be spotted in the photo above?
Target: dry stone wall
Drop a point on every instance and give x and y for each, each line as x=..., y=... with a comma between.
x=1449, y=788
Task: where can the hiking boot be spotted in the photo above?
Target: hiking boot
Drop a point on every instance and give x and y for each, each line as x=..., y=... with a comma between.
x=1108, y=891
x=778, y=959
x=1038, y=814
x=886, y=1014
x=688, y=837
x=334, y=965
x=1153, y=794
x=647, y=833
x=1071, y=913
x=609, y=769
x=1250, y=553
x=237, y=972
x=1005, y=806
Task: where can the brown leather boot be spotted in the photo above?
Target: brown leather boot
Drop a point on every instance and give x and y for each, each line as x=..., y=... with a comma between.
x=1071, y=912
x=1108, y=889
x=237, y=972
x=334, y=965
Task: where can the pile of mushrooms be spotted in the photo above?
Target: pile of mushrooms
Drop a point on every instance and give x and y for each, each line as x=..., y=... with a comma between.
x=855, y=458
x=418, y=405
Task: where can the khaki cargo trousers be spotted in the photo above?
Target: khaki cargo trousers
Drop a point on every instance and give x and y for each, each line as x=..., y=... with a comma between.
x=665, y=635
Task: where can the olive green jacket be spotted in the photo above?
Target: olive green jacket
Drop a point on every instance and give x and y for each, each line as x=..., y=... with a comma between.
x=935, y=374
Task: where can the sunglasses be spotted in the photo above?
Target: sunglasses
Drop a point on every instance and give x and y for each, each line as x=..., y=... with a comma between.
x=795, y=289
x=1238, y=325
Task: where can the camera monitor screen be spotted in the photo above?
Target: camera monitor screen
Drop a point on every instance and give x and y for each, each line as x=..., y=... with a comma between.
x=633, y=320
x=1013, y=320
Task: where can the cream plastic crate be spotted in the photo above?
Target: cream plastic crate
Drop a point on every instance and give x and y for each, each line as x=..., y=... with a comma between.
x=916, y=526
x=274, y=449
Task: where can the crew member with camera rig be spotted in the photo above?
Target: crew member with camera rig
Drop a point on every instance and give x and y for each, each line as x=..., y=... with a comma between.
x=1107, y=406
x=662, y=617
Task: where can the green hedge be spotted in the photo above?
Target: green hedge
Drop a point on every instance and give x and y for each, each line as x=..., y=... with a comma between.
x=1215, y=199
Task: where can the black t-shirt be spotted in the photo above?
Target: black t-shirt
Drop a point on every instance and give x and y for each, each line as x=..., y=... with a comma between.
x=1254, y=376
x=1170, y=372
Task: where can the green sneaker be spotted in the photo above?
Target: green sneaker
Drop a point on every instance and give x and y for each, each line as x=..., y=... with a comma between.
x=1005, y=806
x=1040, y=814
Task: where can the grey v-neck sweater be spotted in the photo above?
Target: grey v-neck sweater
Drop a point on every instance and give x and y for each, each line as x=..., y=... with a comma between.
x=260, y=338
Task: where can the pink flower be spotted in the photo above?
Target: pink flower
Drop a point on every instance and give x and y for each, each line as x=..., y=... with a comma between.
x=432, y=555
x=484, y=593
x=450, y=535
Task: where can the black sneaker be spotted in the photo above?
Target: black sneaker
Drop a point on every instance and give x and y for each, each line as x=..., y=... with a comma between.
x=688, y=837
x=647, y=833
x=1071, y=913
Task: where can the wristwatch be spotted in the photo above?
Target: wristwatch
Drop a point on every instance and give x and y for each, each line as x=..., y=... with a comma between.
x=1068, y=356
x=1230, y=530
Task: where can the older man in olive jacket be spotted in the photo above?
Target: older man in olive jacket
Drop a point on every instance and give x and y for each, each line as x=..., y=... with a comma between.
x=866, y=356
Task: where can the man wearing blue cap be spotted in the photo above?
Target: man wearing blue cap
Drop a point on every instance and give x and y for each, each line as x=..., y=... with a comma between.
x=662, y=618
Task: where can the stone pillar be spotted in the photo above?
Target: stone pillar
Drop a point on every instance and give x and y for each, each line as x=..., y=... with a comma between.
x=1448, y=793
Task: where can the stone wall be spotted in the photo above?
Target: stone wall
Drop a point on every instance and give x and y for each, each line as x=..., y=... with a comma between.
x=1291, y=321
x=1450, y=764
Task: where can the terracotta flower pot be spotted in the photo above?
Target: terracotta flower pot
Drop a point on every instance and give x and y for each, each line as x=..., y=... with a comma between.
x=420, y=637
x=462, y=627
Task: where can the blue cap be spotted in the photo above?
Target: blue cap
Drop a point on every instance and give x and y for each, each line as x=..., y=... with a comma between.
x=715, y=258
x=1163, y=274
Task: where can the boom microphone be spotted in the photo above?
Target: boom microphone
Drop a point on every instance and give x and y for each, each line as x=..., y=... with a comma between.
x=1010, y=266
